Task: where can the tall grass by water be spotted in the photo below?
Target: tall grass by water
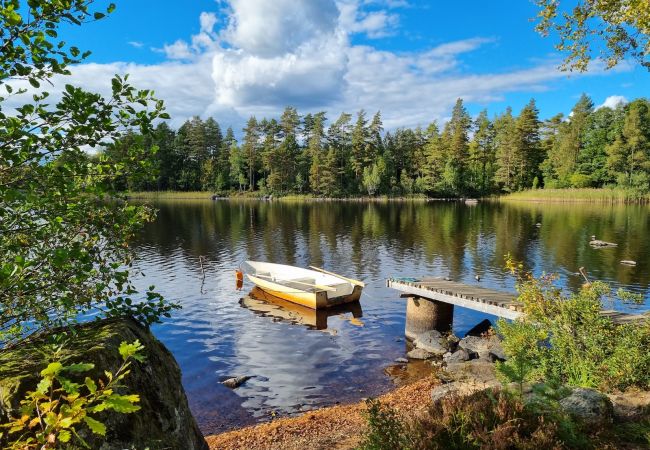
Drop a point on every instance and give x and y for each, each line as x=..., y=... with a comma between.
x=171, y=195
x=578, y=195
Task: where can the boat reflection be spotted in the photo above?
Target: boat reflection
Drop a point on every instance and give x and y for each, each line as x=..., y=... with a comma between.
x=267, y=305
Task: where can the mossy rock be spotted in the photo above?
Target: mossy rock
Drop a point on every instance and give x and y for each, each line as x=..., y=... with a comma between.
x=164, y=420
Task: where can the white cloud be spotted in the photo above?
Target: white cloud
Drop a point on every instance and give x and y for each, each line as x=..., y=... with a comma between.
x=613, y=101
x=136, y=44
x=267, y=55
x=178, y=50
x=269, y=29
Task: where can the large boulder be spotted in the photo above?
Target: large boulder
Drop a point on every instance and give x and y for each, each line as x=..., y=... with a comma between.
x=590, y=406
x=480, y=329
x=477, y=371
x=458, y=356
x=164, y=420
x=433, y=342
x=487, y=348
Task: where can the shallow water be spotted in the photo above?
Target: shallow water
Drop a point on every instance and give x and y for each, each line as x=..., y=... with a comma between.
x=297, y=366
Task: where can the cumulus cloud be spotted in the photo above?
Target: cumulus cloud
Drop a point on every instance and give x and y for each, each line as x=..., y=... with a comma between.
x=269, y=29
x=263, y=56
x=613, y=101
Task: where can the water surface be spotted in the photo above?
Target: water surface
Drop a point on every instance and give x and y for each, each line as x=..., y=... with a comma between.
x=344, y=355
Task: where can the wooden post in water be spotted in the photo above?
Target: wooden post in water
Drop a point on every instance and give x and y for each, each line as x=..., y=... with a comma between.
x=424, y=315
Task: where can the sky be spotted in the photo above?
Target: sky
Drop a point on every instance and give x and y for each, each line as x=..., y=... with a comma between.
x=409, y=59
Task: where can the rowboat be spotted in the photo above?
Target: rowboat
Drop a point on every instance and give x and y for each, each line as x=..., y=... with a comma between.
x=314, y=288
x=267, y=305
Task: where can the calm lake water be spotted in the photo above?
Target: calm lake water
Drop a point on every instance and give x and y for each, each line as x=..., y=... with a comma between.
x=295, y=365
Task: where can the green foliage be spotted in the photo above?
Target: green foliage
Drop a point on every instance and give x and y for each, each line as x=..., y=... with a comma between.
x=385, y=429
x=615, y=29
x=579, y=180
x=65, y=251
x=589, y=148
x=564, y=339
x=64, y=403
x=486, y=419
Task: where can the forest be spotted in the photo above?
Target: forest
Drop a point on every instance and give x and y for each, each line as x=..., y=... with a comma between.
x=353, y=155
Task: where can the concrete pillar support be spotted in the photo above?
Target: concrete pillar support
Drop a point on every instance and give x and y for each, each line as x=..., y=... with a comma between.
x=425, y=315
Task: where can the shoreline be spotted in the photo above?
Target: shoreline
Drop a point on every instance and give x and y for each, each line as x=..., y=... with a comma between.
x=332, y=427
x=596, y=196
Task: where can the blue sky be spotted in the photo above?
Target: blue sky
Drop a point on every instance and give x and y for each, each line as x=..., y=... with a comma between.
x=408, y=58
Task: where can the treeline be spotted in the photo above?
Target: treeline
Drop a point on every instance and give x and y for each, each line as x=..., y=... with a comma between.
x=590, y=147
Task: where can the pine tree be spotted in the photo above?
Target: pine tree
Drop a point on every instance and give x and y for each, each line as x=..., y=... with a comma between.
x=482, y=155
x=435, y=157
x=213, y=143
x=338, y=138
x=506, y=150
x=528, y=155
x=457, y=135
x=375, y=144
x=168, y=161
x=549, y=133
x=315, y=151
x=629, y=155
x=223, y=180
x=359, y=148
x=250, y=150
x=564, y=155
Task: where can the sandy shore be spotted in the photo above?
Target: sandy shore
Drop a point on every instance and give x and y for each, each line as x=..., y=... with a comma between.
x=336, y=427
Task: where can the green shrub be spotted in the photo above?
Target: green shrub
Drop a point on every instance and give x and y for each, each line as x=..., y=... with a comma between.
x=385, y=429
x=564, y=338
x=580, y=180
x=52, y=415
x=484, y=420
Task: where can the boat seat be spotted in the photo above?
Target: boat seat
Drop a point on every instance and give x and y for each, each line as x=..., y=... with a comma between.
x=307, y=280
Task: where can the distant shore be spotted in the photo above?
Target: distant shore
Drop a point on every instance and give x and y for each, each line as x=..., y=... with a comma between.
x=569, y=195
x=585, y=195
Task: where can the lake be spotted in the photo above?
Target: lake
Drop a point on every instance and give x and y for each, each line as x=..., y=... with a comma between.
x=302, y=361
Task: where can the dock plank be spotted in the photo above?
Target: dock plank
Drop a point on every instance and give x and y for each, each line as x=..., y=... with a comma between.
x=498, y=303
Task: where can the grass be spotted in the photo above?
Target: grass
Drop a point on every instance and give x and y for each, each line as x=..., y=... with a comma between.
x=207, y=195
x=171, y=195
x=493, y=419
x=604, y=195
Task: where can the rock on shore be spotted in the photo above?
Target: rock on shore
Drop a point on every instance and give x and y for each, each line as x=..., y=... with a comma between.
x=164, y=420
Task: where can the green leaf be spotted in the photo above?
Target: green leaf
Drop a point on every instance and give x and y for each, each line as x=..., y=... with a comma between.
x=52, y=369
x=130, y=350
x=64, y=436
x=90, y=384
x=122, y=403
x=34, y=82
x=44, y=385
x=80, y=367
x=69, y=386
x=95, y=426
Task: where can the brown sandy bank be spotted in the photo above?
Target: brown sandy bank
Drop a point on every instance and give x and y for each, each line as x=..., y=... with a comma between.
x=337, y=427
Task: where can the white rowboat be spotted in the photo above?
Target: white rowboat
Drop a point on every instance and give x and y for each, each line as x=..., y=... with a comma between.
x=314, y=287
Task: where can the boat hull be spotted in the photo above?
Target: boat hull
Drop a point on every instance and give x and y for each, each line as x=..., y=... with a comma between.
x=313, y=300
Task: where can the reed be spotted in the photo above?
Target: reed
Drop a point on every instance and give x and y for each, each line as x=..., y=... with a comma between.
x=169, y=195
x=589, y=195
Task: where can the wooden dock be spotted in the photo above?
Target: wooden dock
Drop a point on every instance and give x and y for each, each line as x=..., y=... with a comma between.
x=498, y=303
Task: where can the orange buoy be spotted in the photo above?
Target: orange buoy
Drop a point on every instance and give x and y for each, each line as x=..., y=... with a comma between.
x=239, y=275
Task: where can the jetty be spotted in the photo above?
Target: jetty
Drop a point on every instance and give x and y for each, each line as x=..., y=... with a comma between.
x=431, y=302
